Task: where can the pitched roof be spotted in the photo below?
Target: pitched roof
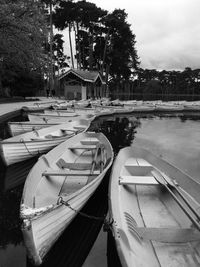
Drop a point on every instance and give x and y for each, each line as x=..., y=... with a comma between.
x=87, y=76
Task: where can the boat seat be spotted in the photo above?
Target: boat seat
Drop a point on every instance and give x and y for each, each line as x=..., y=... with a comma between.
x=88, y=147
x=137, y=180
x=90, y=141
x=68, y=130
x=74, y=166
x=136, y=162
x=167, y=235
x=79, y=127
x=52, y=172
x=50, y=136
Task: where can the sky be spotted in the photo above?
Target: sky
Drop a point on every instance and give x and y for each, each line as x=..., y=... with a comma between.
x=167, y=31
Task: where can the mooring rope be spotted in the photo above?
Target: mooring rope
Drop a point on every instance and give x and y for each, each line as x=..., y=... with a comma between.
x=61, y=201
x=22, y=141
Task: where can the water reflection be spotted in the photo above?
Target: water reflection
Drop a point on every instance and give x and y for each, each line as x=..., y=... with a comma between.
x=112, y=255
x=120, y=130
x=15, y=174
x=9, y=218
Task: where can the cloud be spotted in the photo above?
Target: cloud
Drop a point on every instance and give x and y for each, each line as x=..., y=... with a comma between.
x=167, y=32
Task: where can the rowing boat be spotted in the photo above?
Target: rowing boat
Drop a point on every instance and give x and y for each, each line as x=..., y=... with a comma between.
x=37, y=142
x=41, y=117
x=20, y=127
x=58, y=186
x=155, y=220
x=40, y=106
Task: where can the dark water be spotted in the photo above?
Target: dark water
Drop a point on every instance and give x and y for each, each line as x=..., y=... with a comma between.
x=175, y=138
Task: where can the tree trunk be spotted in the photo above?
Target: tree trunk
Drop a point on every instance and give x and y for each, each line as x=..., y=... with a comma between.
x=79, y=47
x=70, y=43
x=51, y=49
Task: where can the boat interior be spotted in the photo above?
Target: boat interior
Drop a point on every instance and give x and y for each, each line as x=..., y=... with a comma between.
x=60, y=133
x=65, y=177
x=158, y=212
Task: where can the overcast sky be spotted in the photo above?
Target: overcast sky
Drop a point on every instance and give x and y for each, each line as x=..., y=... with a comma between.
x=167, y=31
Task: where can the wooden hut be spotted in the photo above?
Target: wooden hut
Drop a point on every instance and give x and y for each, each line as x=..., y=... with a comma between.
x=81, y=84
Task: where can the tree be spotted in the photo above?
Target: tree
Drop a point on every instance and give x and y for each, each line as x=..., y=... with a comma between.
x=85, y=18
x=22, y=33
x=121, y=55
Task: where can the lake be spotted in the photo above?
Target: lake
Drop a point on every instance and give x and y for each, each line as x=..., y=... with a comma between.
x=175, y=138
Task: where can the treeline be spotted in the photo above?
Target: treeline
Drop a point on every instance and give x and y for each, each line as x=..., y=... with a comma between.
x=103, y=41
x=166, y=85
x=25, y=47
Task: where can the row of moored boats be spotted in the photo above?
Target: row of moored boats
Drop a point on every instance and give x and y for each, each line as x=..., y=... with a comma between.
x=155, y=220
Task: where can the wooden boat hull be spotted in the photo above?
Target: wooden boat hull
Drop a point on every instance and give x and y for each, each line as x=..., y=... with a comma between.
x=19, y=151
x=149, y=227
x=35, y=143
x=56, y=119
x=47, y=216
x=169, y=108
x=16, y=128
x=58, y=220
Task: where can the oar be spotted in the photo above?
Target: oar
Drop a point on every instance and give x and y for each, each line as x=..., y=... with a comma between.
x=162, y=181
x=176, y=186
x=94, y=162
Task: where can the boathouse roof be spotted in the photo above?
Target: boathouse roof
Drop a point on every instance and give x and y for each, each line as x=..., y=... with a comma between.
x=86, y=76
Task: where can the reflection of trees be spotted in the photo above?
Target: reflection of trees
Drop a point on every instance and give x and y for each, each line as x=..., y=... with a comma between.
x=9, y=217
x=120, y=131
x=192, y=117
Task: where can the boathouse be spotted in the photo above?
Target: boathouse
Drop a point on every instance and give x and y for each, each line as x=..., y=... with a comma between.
x=81, y=84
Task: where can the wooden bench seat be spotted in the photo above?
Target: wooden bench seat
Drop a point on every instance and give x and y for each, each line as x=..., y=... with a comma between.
x=68, y=130
x=137, y=180
x=79, y=127
x=88, y=147
x=90, y=141
x=75, y=166
x=52, y=172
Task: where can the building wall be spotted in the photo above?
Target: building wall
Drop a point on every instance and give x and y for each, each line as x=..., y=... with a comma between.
x=72, y=92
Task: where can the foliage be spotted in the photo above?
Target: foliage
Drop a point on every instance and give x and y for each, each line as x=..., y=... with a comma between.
x=104, y=41
x=22, y=33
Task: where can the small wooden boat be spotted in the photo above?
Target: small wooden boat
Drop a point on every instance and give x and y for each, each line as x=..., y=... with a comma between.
x=156, y=222
x=71, y=112
x=40, y=106
x=58, y=186
x=41, y=117
x=28, y=145
x=20, y=127
x=168, y=107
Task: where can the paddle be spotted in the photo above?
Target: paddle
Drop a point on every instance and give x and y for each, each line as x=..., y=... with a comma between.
x=94, y=162
x=176, y=186
x=164, y=182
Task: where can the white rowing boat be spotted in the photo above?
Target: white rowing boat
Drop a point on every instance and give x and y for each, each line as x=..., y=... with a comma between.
x=58, y=186
x=27, y=145
x=41, y=117
x=20, y=127
x=39, y=106
x=155, y=221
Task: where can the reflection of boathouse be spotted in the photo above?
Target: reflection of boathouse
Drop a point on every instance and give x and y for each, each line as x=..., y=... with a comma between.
x=81, y=84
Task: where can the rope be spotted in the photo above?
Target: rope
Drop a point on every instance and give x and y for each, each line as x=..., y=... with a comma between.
x=22, y=141
x=61, y=201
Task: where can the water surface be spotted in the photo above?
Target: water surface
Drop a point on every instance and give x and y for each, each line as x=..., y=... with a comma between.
x=174, y=138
